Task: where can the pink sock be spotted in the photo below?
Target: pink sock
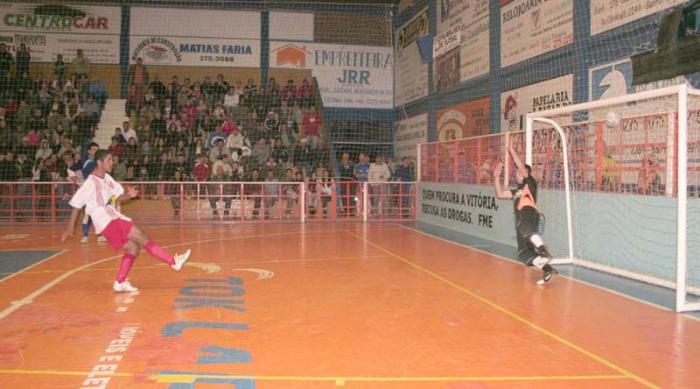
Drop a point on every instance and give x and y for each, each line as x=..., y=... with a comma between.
x=125, y=266
x=159, y=253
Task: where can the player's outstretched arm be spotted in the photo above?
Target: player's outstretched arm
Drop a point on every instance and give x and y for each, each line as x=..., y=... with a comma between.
x=516, y=158
x=70, y=227
x=500, y=193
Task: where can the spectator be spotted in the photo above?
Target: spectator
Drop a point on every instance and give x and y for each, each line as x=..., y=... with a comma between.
x=229, y=126
x=272, y=192
x=201, y=171
x=128, y=132
x=80, y=65
x=6, y=62
x=404, y=174
x=31, y=140
x=181, y=148
x=59, y=69
x=221, y=163
x=146, y=147
x=254, y=190
x=97, y=90
x=218, y=150
x=134, y=100
x=610, y=173
x=23, y=58
x=219, y=113
x=66, y=147
x=235, y=141
x=304, y=100
x=92, y=109
x=219, y=191
x=198, y=148
x=137, y=75
x=251, y=87
x=131, y=151
x=165, y=168
x=305, y=88
x=261, y=152
x=348, y=188
x=23, y=88
x=175, y=192
x=280, y=154
x=232, y=99
x=649, y=182
x=361, y=169
x=23, y=167
x=8, y=168
x=116, y=149
x=40, y=172
x=289, y=90
x=325, y=190
x=150, y=101
x=119, y=170
x=44, y=151
x=182, y=166
x=378, y=173
x=159, y=89
x=73, y=109
x=146, y=163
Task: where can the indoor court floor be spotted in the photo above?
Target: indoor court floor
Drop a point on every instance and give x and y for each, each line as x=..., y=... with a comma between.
x=320, y=306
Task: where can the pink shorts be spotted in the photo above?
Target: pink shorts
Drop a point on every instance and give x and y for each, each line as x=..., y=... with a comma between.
x=117, y=233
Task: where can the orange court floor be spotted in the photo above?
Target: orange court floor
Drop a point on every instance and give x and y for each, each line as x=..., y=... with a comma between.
x=338, y=305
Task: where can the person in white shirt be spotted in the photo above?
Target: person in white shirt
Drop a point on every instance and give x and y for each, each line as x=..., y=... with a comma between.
x=128, y=133
x=99, y=194
x=378, y=173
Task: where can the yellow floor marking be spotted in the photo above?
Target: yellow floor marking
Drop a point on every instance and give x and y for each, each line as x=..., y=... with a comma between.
x=340, y=381
x=58, y=372
x=510, y=314
x=219, y=263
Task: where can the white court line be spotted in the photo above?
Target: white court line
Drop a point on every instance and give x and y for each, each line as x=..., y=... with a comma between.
x=15, y=305
x=559, y=275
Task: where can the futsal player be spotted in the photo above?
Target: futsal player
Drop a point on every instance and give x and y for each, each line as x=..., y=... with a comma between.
x=531, y=248
x=118, y=229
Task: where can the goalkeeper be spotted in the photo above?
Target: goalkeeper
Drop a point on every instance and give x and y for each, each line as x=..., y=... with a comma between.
x=531, y=248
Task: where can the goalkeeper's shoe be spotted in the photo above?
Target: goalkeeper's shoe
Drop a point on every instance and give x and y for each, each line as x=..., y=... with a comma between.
x=543, y=252
x=547, y=273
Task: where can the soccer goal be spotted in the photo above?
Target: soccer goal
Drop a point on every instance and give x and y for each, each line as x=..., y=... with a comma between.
x=620, y=183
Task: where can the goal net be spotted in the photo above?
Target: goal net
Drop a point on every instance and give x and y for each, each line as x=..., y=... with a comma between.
x=619, y=185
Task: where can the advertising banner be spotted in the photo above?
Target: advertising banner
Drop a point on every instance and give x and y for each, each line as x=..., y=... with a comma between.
x=409, y=133
x=531, y=28
x=411, y=72
x=49, y=30
x=348, y=76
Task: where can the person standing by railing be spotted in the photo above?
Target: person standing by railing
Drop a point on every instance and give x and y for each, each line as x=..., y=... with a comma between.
x=405, y=175
x=347, y=188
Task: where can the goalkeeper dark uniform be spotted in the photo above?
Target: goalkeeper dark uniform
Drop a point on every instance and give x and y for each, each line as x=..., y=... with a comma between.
x=531, y=248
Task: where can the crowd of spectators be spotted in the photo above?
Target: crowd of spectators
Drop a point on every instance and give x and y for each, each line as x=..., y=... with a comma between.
x=47, y=121
x=202, y=130
x=195, y=129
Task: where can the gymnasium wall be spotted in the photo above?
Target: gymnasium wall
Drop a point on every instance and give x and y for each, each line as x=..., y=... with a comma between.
x=240, y=40
x=539, y=55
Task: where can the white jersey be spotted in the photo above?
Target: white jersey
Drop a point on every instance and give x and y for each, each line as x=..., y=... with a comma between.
x=96, y=195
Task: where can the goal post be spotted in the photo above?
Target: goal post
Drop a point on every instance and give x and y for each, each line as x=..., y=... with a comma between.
x=631, y=167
